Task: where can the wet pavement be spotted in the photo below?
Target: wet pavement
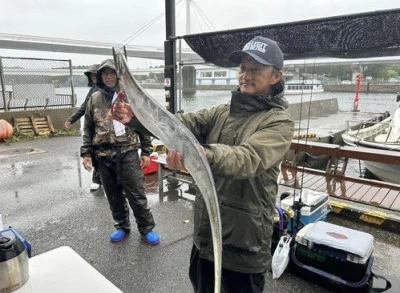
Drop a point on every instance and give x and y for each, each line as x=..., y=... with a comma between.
x=44, y=192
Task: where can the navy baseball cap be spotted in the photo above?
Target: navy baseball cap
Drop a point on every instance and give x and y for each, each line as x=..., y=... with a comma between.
x=263, y=50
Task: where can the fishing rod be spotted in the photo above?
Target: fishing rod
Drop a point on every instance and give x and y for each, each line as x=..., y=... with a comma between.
x=297, y=205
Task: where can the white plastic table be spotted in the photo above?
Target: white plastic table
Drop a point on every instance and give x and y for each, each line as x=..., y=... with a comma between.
x=62, y=270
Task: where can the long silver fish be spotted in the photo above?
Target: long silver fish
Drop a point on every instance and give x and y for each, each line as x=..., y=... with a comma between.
x=175, y=135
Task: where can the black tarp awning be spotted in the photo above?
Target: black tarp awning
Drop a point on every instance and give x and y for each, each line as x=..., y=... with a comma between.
x=364, y=35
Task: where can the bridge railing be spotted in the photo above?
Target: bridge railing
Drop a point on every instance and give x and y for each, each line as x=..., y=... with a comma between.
x=32, y=83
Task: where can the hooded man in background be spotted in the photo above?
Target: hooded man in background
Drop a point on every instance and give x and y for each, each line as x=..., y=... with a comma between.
x=91, y=74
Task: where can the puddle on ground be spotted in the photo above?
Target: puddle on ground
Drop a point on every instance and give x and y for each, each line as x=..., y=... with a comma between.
x=20, y=151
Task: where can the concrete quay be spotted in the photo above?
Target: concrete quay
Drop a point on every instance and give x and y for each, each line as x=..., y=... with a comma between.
x=44, y=192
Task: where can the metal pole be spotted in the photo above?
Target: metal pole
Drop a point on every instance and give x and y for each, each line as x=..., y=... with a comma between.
x=170, y=56
x=3, y=87
x=73, y=99
x=188, y=17
x=180, y=79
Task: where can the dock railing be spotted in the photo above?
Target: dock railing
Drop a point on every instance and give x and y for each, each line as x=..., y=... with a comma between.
x=338, y=157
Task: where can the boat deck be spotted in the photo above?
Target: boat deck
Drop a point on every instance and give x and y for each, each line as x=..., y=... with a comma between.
x=361, y=191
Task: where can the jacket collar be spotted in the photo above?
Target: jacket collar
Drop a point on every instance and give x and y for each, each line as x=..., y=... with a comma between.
x=107, y=91
x=241, y=102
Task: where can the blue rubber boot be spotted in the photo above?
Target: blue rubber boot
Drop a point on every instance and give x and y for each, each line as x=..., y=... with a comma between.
x=117, y=235
x=152, y=238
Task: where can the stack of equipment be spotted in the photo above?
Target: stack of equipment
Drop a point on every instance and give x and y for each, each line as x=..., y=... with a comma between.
x=309, y=207
x=338, y=257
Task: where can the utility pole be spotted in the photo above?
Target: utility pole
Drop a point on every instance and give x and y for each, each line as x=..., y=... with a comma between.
x=188, y=17
x=170, y=56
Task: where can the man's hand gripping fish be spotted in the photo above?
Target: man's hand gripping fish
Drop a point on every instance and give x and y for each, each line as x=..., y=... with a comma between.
x=165, y=126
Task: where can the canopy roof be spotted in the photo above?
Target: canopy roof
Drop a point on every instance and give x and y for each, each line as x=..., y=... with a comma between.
x=364, y=35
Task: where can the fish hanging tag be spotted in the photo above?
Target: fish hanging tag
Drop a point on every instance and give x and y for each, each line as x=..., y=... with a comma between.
x=119, y=128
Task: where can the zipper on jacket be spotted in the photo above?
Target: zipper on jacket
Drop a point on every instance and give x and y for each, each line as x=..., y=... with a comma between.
x=234, y=138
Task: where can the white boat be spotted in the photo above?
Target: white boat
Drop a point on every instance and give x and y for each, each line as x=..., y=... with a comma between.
x=383, y=135
x=299, y=87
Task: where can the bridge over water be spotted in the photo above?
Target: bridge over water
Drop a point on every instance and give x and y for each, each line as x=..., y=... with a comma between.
x=66, y=71
x=50, y=44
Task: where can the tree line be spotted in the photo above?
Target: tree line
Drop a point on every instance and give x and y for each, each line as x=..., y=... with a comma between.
x=377, y=72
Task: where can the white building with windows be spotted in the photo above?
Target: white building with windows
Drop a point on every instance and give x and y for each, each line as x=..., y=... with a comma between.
x=206, y=75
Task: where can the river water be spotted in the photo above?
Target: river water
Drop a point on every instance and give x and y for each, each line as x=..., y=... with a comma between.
x=368, y=103
x=371, y=103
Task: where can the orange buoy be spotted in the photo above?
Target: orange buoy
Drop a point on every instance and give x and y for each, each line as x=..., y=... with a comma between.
x=6, y=130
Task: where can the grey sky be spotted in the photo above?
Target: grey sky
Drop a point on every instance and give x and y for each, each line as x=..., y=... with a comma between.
x=115, y=21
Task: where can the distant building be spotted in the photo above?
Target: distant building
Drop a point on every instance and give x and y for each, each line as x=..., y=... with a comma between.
x=394, y=79
x=206, y=75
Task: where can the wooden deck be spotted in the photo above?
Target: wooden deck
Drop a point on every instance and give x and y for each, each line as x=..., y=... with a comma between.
x=334, y=181
x=365, y=192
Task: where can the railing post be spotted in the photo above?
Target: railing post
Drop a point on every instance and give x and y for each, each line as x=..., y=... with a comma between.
x=26, y=103
x=3, y=87
x=73, y=100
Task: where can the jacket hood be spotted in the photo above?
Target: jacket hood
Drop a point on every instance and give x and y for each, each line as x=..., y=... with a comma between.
x=108, y=63
x=91, y=69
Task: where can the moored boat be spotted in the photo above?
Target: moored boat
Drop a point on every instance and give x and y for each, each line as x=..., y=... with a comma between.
x=298, y=87
x=383, y=135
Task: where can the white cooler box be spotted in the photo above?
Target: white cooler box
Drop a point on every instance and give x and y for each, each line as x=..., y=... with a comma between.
x=355, y=245
x=330, y=254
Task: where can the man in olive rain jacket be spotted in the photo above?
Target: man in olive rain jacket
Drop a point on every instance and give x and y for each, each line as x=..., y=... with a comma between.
x=244, y=142
x=114, y=148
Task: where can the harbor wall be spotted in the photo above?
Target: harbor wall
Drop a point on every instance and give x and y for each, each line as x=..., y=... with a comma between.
x=314, y=108
x=58, y=116
x=364, y=88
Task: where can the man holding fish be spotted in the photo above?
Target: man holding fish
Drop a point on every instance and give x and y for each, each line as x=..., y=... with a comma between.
x=244, y=142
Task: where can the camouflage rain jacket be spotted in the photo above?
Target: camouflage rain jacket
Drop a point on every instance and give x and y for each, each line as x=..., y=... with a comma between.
x=99, y=137
x=245, y=142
